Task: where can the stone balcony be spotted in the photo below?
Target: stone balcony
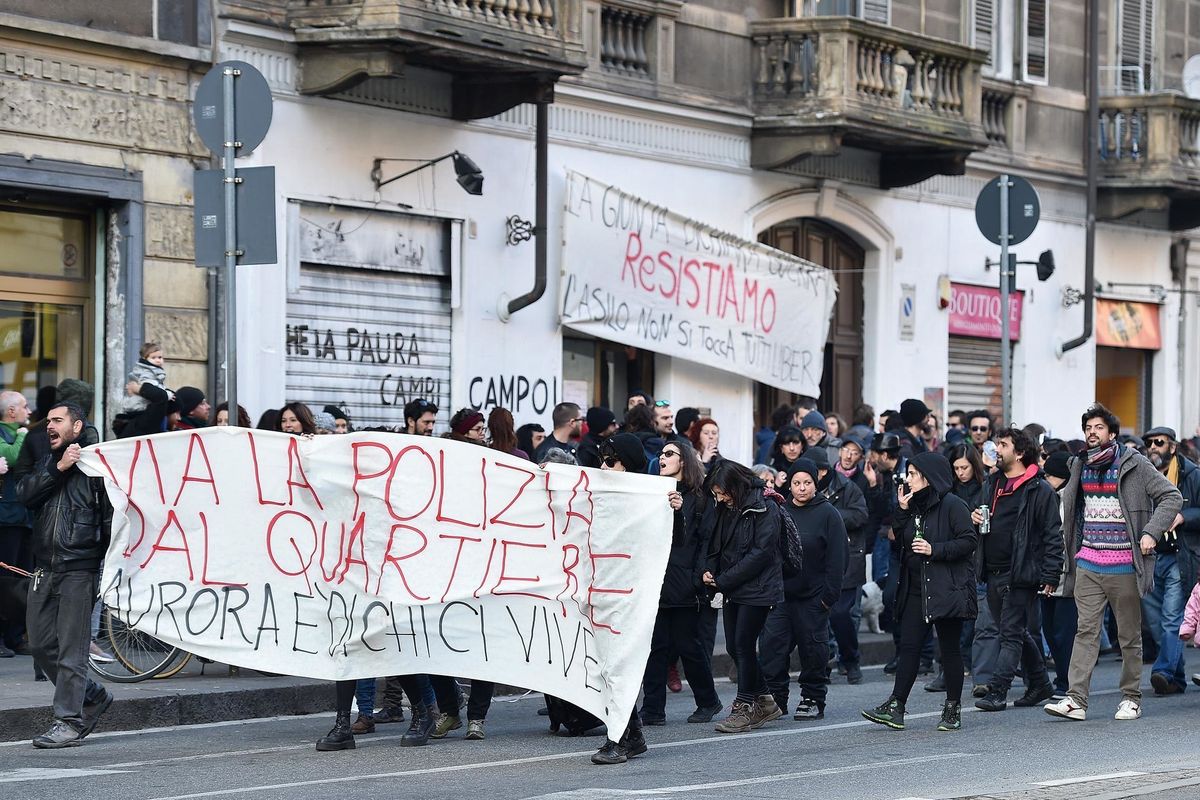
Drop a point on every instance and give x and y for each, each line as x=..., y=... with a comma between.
x=1149, y=170
x=500, y=53
x=826, y=86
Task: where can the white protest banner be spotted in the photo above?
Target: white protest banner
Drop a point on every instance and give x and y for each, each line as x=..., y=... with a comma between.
x=374, y=554
x=642, y=275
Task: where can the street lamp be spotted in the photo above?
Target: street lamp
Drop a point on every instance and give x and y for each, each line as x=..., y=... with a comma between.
x=467, y=172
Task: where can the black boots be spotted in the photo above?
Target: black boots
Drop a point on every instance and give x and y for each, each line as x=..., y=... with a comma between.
x=340, y=738
x=633, y=743
x=422, y=725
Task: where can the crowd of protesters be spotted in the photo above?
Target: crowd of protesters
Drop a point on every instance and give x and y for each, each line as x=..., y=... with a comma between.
x=990, y=547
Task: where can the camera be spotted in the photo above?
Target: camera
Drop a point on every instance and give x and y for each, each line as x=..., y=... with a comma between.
x=901, y=483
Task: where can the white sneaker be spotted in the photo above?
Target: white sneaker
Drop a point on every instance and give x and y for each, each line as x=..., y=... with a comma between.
x=1067, y=709
x=1128, y=709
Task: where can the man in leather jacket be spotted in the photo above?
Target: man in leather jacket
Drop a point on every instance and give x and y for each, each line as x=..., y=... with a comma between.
x=71, y=524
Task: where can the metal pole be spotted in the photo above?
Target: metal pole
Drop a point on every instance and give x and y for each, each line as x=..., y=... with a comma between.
x=227, y=162
x=1005, y=365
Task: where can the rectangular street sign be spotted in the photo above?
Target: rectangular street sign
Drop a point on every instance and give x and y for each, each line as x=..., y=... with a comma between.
x=255, y=216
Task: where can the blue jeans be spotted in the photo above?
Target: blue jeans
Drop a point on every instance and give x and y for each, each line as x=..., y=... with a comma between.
x=1162, y=612
x=364, y=694
x=881, y=557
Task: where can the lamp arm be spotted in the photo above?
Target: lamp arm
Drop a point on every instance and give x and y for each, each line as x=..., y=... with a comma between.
x=376, y=172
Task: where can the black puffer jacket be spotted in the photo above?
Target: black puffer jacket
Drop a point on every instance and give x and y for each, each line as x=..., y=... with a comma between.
x=682, y=584
x=1037, y=537
x=823, y=537
x=844, y=495
x=945, y=522
x=743, y=555
x=72, y=517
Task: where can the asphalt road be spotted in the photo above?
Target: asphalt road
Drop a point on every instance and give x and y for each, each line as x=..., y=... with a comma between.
x=1009, y=754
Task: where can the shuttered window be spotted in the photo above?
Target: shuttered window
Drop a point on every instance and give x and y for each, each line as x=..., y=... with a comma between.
x=974, y=375
x=984, y=33
x=1136, y=45
x=1035, y=41
x=877, y=11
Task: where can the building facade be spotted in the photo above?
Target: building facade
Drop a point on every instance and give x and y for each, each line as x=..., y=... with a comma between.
x=854, y=134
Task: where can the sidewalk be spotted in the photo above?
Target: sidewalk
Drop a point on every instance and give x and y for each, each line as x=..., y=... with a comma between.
x=190, y=698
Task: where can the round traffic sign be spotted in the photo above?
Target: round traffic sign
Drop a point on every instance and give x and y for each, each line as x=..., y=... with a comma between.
x=251, y=107
x=1024, y=210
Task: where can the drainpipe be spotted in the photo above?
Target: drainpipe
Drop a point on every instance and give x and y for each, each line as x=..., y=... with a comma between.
x=509, y=307
x=1090, y=154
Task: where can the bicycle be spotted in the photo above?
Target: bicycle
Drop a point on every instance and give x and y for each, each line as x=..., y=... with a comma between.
x=137, y=656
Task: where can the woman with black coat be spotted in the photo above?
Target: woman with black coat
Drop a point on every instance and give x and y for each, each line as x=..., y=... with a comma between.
x=802, y=620
x=789, y=446
x=745, y=566
x=969, y=473
x=937, y=584
x=683, y=598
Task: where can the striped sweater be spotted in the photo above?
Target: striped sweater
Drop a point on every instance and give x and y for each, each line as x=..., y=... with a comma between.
x=1106, y=546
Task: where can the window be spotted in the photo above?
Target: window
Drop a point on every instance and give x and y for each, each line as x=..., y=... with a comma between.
x=1135, y=46
x=870, y=10
x=1035, y=41
x=983, y=34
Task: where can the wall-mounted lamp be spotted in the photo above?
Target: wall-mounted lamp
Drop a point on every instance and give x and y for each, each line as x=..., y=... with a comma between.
x=1044, y=264
x=469, y=176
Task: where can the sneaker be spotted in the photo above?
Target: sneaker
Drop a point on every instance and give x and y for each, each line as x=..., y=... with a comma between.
x=705, y=713
x=980, y=690
x=634, y=742
x=992, y=701
x=475, y=730
x=654, y=720
x=363, y=724
x=388, y=715
x=445, y=724
x=99, y=655
x=6, y=653
x=673, y=682
x=611, y=753
x=61, y=734
x=92, y=714
x=1163, y=685
x=890, y=713
x=1034, y=696
x=854, y=674
x=738, y=720
x=1128, y=709
x=1067, y=709
x=1196, y=678
x=951, y=717
x=938, y=684
x=764, y=710
x=808, y=709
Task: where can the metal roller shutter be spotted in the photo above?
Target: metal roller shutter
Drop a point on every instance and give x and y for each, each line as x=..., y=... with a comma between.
x=974, y=374
x=369, y=342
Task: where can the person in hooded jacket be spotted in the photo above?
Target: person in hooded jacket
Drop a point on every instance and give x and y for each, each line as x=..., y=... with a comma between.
x=937, y=584
x=803, y=619
x=745, y=566
x=845, y=496
x=683, y=599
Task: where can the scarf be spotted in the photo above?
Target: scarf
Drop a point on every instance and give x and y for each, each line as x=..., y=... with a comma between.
x=1173, y=471
x=846, y=473
x=1101, y=457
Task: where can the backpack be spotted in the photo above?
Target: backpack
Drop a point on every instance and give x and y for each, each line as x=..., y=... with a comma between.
x=571, y=719
x=791, y=553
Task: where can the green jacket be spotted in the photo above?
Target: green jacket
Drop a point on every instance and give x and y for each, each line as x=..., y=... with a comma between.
x=11, y=451
x=1149, y=503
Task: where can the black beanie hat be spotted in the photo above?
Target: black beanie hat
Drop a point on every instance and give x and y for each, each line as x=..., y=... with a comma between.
x=599, y=418
x=188, y=398
x=802, y=464
x=628, y=450
x=1058, y=465
x=913, y=412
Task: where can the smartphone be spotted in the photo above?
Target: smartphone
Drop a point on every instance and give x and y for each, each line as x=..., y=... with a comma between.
x=989, y=450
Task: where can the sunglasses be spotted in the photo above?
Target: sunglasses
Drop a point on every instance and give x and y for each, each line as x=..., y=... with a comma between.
x=611, y=461
x=661, y=403
x=579, y=419
x=980, y=428
x=669, y=454
x=1158, y=442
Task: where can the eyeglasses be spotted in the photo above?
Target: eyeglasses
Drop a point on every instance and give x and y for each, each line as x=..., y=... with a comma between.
x=669, y=454
x=611, y=461
x=980, y=428
x=579, y=419
x=1158, y=442
x=661, y=403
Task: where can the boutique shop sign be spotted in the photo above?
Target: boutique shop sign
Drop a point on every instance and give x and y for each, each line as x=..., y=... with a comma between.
x=345, y=557
x=643, y=275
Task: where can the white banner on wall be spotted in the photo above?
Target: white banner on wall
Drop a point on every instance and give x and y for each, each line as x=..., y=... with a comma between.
x=343, y=557
x=642, y=275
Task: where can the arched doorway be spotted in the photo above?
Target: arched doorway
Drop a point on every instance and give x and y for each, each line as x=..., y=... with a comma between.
x=842, y=376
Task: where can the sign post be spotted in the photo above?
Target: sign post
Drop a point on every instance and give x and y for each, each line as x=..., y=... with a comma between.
x=1006, y=211
x=232, y=114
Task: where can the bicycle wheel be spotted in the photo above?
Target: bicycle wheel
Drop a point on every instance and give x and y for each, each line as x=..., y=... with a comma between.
x=137, y=656
x=171, y=670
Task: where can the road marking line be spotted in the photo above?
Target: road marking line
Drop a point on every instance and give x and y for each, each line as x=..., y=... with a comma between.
x=1089, y=778
x=48, y=774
